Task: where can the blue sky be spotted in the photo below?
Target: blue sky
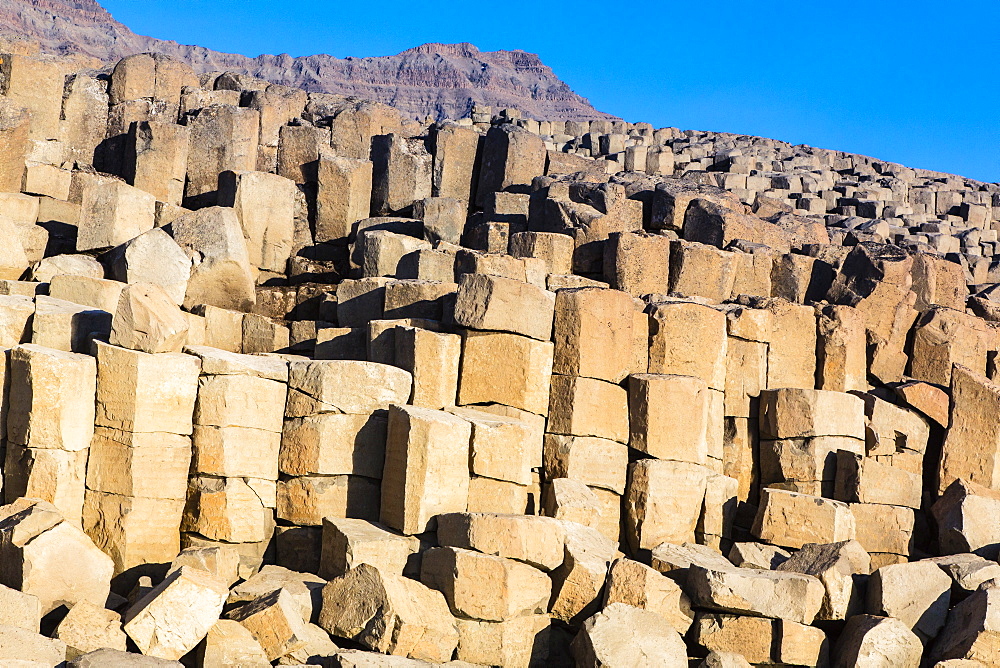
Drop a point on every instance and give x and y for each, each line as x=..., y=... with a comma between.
x=911, y=82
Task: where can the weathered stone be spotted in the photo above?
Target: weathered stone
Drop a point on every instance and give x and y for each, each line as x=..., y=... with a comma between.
x=621, y=635
x=275, y=621
x=515, y=589
x=534, y=540
x=147, y=319
x=265, y=206
x=663, y=502
x=870, y=640
x=966, y=516
x=344, y=386
x=222, y=275
x=841, y=567
x=669, y=417
x=784, y=595
x=505, y=369
x=175, y=616
x=791, y=520
x=230, y=643
x=88, y=627
x=913, y=593
x=501, y=448
x=640, y=586
x=52, y=398
x=688, y=339
x=578, y=583
x=390, y=614
x=350, y=542
x=593, y=334
x=426, y=473
x=47, y=557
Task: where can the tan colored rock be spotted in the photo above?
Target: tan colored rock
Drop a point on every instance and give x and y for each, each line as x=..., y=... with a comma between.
x=62, y=325
x=344, y=386
x=866, y=480
x=240, y=401
x=593, y=334
x=521, y=641
x=19, y=647
x=537, y=541
x=806, y=465
x=580, y=406
x=350, y=542
x=485, y=587
x=87, y=628
x=265, y=206
x=965, y=515
x=663, y=502
x=578, y=583
x=884, y=529
x=621, y=635
x=147, y=319
x=971, y=449
x=20, y=609
x=791, y=353
x=221, y=561
x=724, y=660
x=98, y=293
x=669, y=416
x=15, y=318
x=841, y=356
x=47, y=557
x=226, y=509
x=501, y=448
x=175, y=616
x=505, y=369
x=133, y=530
x=156, y=156
x=913, y=593
x=304, y=588
x=640, y=586
x=883, y=641
x=555, y=250
x=426, y=473
x=970, y=632
x=389, y=614
x=223, y=275
x=433, y=359
x=788, y=519
x=797, y=413
x=152, y=465
x=930, y=400
x=750, y=637
x=689, y=339
x=306, y=500
x=334, y=444
x=967, y=571
x=781, y=595
x=235, y=451
x=152, y=257
x=501, y=304
x=230, y=643
x=275, y=621
x=757, y=555
x=56, y=476
x=597, y=462
x=113, y=212
x=572, y=501
x=52, y=398
x=841, y=567
x=344, y=197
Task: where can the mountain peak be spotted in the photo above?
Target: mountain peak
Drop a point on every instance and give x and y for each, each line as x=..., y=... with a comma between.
x=438, y=80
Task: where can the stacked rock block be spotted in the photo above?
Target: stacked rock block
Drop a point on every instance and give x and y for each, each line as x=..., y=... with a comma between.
x=291, y=379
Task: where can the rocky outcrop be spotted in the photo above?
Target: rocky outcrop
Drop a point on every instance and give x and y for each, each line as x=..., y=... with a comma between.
x=438, y=80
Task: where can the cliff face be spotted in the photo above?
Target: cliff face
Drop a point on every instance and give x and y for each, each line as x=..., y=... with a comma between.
x=440, y=80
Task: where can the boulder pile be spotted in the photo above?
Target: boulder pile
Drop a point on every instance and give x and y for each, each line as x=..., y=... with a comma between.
x=290, y=379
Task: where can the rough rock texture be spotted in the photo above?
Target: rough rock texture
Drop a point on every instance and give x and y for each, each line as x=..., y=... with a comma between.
x=439, y=80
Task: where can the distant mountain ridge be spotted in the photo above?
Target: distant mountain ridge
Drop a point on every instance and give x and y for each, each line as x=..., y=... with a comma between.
x=438, y=80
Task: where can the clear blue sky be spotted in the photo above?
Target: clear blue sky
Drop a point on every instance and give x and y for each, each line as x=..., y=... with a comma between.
x=911, y=82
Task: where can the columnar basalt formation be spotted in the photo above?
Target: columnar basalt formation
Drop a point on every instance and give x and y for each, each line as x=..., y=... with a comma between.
x=291, y=379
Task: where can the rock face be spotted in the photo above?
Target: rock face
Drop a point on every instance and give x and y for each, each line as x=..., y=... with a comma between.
x=493, y=391
x=439, y=80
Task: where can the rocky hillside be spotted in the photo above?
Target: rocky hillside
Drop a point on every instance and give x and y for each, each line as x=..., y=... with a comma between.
x=440, y=80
